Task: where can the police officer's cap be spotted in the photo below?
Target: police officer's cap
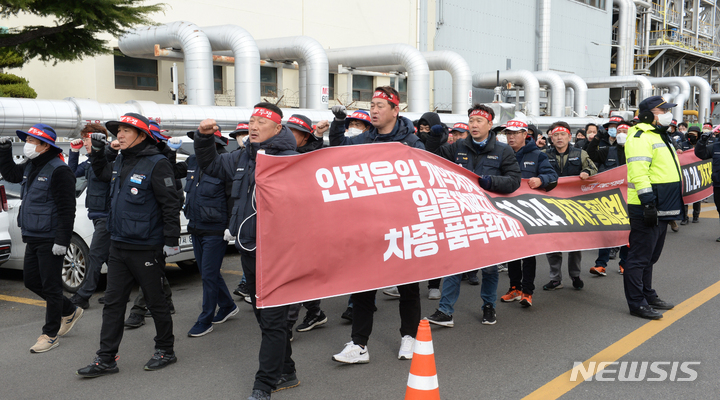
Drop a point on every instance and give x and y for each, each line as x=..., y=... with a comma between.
x=654, y=101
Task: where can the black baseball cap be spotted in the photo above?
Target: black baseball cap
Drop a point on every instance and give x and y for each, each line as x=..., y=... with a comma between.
x=654, y=101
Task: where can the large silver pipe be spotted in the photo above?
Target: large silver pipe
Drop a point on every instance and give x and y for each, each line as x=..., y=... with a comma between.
x=580, y=89
x=310, y=53
x=525, y=78
x=715, y=97
x=140, y=43
x=557, y=91
x=391, y=54
x=680, y=98
x=246, y=57
x=670, y=96
x=704, y=98
x=640, y=82
x=626, y=36
x=543, y=50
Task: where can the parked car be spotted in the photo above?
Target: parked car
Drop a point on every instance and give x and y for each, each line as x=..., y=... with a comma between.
x=5, y=240
x=75, y=263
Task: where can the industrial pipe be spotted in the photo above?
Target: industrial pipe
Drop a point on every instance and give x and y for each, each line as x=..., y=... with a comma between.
x=543, y=49
x=580, y=89
x=557, y=91
x=640, y=82
x=680, y=98
x=626, y=36
x=704, y=98
x=521, y=77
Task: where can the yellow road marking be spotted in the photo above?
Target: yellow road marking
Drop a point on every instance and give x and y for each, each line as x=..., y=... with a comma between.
x=40, y=303
x=227, y=271
x=562, y=384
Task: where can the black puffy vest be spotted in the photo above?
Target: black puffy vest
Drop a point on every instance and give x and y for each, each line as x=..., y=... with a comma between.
x=97, y=198
x=135, y=216
x=611, y=161
x=205, y=200
x=573, y=164
x=38, y=215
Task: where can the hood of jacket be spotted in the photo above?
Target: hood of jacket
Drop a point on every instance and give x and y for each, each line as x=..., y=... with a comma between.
x=529, y=147
x=283, y=141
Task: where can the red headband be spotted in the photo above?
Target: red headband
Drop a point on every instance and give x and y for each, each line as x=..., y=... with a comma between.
x=382, y=95
x=481, y=113
x=265, y=113
x=615, y=119
x=560, y=129
x=623, y=126
x=134, y=122
x=461, y=126
x=37, y=132
x=516, y=124
x=241, y=127
x=298, y=121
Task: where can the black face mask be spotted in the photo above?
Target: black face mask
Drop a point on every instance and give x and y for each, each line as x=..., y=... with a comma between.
x=692, y=139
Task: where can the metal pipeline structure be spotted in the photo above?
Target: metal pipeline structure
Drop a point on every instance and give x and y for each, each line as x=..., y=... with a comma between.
x=580, y=90
x=635, y=81
x=626, y=37
x=680, y=98
x=557, y=91
x=529, y=82
x=704, y=96
x=197, y=54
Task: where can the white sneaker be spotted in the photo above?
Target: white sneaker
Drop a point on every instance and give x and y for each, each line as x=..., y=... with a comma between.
x=353, y=354
x=502, y=268
x=67, y=323
x=434, y=294
x=392, y=292
x=406, y=348
x=45, y=343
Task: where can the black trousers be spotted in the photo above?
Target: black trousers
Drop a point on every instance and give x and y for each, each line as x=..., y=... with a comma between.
x=434, y=283
x=522, y=274
x=42, y=273
x=275, y=348
x=646, y=244
x=125, y=269
x=364, y=308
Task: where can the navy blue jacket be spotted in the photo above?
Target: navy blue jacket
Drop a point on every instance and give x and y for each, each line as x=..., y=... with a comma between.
x=238, y=167
x=403, y=132
x=535, y=164
x=496, y=160
x=710, y=148
x=605, y=155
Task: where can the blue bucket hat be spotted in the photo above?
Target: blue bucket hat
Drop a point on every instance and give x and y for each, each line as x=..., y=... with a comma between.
x=42, y=132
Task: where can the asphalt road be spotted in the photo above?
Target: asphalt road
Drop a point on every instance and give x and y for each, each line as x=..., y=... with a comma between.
x=525, y=351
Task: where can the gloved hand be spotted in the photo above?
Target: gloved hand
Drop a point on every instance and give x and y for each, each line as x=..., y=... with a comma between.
x=650, y=215
x=174, y=143
x=485, y=182
x=59, y=250
x=98, y=141
x=705, y=136
x=339, y=112
x=5, y=142
x=171, y=250
x=76, y=145
x=227, y=236
x=438, y=130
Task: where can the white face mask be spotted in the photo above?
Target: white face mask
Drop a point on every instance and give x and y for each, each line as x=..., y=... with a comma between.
x=29, y=151
x=502, y=139
x=353, y=132
x=665, y=119
x=621, y=138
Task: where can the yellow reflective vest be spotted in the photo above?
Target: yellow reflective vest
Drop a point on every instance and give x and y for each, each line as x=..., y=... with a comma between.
x=654, y=174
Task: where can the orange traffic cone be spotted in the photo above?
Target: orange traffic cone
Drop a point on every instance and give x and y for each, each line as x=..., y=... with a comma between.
x=422, y=381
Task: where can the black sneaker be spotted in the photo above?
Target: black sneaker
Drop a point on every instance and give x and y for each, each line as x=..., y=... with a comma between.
x=135, y=321
x=242, y=290
x=613, y=253
x=696, y=219
x=101, y=300
x=552, y=285
x=347, y=315
x=80, y=302
x=473, y=278
x=258, y=394
x=578, y=283
x=442, y=319
x=489, y=315
x=685, y=221
x=160, y=360
x=98, y=368
x=287, y=381
x=311, y=321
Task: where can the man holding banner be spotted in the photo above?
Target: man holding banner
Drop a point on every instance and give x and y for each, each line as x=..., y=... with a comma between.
x=654, y=199
x=267, y=134
x=499, y=172
x=388, y=126
x=708, y=146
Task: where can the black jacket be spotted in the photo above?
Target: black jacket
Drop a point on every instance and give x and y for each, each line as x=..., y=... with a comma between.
x=166, y=195
x=496, y=160
x=431, y=119
x=599, y=148
x=62, y=186
x=707, y=148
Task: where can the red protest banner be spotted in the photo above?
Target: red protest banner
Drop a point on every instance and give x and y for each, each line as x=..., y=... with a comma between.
x=349, y=219
x=697, y=177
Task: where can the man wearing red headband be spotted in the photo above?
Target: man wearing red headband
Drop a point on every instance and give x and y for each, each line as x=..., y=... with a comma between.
x=46, y=222
x=387, y=126
x=266, y=132
x=567, y=161
x=499, y=172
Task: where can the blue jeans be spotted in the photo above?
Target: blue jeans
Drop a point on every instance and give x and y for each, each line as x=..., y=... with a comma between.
x=451, y=289
x=603, y=257
x=209, y=253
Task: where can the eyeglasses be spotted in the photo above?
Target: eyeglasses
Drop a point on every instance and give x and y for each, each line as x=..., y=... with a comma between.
x=511, y=133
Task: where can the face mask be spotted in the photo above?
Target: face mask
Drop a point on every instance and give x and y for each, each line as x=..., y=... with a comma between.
x=692, y=139
x=706, y=130
x=354, y=131
x=621, y=138
x=683, y=130
x=665, y=119
x=612, y=132
x=29, y=151
x=502, y=139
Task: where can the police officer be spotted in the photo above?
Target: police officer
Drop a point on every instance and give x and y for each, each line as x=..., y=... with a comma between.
x=708, y=146
x=277, y=368
x=497, y=166
x=654, y=199
x=46, y=221
x=535, y=167
x=144, y=224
